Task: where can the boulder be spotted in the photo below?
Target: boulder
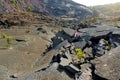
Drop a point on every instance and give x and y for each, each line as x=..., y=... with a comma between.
x=108, y=65
x=69, y=32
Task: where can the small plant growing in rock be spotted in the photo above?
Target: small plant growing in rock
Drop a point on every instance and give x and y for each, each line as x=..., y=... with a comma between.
x=4, y=35
x=80, y=54
x=9, y=41
x=28, y=9
x=14, y=2
x=115, y=24
x=82, y=22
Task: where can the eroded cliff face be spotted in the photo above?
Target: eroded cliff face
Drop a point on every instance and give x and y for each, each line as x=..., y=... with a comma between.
x=58, y=8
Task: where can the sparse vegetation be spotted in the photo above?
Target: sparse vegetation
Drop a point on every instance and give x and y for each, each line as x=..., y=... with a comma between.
x=9, y=41
x=4, y=35
x=91, y=20
x=115, y=23
x=110, y=11
x=14, y=2
x=28, y=9
x=80, y=54
x=82, y=22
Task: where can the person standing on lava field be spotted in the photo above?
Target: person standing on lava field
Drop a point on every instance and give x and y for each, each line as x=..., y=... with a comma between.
x=76, y=35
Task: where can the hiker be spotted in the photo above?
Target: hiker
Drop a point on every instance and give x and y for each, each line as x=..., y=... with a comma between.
x=76, y=35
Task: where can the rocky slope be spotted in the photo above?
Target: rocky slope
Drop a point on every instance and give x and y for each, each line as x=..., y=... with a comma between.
x=59, y=8
x=109, y=10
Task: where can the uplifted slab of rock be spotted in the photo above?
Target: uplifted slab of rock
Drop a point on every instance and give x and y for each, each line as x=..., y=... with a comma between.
x=80, y=44
x=64, y=43
x=108, y=65
x=98, y=31
x=93, y=32
x=116, y=32
x=69, y=31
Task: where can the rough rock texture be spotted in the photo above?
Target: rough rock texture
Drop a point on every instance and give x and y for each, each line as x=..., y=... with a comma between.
x=51, y=7
x=4, y=73
x=108, y=65
x=51, y=73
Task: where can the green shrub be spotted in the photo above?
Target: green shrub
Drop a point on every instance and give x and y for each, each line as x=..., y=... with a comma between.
x=115, y=24
x=4, y=35
x=80, y=54
x=28, y=9
x=9, y=41
x=82, y=22
x=14, y=2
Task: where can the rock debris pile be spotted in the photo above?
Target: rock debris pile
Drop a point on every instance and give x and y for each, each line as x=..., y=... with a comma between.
x=77, y=51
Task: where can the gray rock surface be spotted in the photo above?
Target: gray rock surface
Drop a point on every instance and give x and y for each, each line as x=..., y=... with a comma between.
x=64, y=43
x=51, y=73
x=108, y=65
x=69, y=31
x=4, y=75
x=80, y=44
x=99, y=31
